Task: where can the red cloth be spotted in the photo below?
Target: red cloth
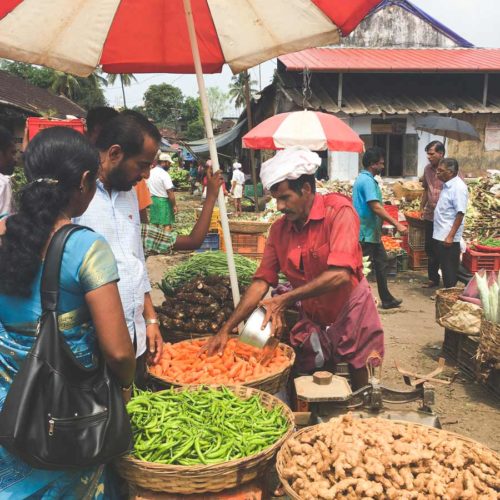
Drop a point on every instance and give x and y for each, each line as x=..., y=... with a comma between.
x=329, y=238
x=351, y=339
x=433, y=186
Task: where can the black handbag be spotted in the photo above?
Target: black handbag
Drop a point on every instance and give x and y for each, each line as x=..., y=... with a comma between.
x=59, y=414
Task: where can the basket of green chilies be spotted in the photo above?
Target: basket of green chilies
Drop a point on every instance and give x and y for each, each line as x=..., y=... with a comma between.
x=203, y=439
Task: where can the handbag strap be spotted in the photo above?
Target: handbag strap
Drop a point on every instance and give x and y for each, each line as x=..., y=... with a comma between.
x=52, y=266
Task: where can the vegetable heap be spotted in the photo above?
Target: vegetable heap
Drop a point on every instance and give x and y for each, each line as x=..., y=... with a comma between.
x=483, y=209
x=180, y=177
x=203, y=426
x=184, y=363
x=490, y=242
x=490, y=297
x=201, y=305
x=414, y=214
x=377, y=458
x=203, y=264
x=391, y=245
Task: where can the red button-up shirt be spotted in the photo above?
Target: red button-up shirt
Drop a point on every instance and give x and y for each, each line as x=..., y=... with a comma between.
x=328, y=238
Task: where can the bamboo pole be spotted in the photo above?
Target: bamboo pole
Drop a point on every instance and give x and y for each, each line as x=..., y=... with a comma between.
x=213, y=149
x=251, y=152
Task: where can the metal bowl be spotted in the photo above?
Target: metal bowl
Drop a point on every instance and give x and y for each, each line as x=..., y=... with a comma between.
x=252, y=332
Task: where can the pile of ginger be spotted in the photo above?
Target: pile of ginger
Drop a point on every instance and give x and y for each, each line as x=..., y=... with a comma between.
x=354, y=458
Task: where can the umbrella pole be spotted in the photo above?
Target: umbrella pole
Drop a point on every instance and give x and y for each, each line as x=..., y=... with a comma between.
x=213, y=150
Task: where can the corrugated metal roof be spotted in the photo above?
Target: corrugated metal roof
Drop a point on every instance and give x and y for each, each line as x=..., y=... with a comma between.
x=369, y=96
x=362, y=60
x=19, y=93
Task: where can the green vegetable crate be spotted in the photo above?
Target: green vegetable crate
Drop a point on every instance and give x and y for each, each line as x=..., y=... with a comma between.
x=212, y=477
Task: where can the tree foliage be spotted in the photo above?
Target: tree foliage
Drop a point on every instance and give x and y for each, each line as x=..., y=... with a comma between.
x=237, y=89
x=195, y=130
x=217, y=102
x=163, y=103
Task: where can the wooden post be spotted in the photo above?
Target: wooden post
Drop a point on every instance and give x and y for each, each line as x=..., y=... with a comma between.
x=251, y=152
x=485, y=89
x=233, y=278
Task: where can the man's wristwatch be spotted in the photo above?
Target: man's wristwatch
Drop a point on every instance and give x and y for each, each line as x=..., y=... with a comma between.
x=152, y=321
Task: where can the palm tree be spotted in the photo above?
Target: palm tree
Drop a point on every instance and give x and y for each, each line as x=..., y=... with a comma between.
x=64, y=84
x=126, y=80
x=237, y=92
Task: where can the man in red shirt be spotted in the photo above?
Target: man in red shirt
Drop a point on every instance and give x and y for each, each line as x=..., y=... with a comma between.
x=432, y=189
x=315, y=244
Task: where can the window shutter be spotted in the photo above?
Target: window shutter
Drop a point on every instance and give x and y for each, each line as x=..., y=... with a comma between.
x=410, y=155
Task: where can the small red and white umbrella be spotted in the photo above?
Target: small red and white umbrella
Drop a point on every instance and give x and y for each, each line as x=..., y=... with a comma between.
x=311, y=129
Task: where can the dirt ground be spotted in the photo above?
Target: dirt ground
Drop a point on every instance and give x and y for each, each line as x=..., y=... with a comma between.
x=414, y=339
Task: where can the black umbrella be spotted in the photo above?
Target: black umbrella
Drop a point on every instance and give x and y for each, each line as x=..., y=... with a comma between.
x=450, y=128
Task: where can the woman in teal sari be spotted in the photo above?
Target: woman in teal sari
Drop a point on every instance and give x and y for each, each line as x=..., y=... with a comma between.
x=61, y=167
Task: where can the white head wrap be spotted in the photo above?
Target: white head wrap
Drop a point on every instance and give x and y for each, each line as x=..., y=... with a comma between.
x=289, y=164
x=166, y=157
x=236, y=165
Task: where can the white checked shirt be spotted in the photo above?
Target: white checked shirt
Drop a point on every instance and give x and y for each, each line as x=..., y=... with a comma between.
x=452, y=200
x=116, y=217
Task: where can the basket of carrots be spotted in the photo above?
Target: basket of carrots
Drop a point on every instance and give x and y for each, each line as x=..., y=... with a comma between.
x=203, y=439
x=185, y=363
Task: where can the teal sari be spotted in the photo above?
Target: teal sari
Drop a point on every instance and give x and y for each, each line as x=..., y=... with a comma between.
x=88, y=263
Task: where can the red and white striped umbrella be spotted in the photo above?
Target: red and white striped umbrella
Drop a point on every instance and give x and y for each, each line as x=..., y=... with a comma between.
x=311, y=129
x=151, y=36
x=172, y=36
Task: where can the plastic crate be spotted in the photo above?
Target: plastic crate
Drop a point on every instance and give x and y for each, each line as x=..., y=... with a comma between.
x=417, y=259
x=474, y=261
x=451, y=344
x=210, y=243
x=467, y=361
x=249, y=190
x=402, y=262
x=392, y=265
x=392, y=210
x=416, y=237
x=249, y=245
x=214, y=220
x=36, y=124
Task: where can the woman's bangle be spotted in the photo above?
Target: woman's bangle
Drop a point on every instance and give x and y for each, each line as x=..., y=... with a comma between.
x=152, y=321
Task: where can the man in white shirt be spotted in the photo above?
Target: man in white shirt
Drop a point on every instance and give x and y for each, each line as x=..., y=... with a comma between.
x=162, y=211
x=7, y=165
x=449, y=219
x=127, y=145
x=237, y=183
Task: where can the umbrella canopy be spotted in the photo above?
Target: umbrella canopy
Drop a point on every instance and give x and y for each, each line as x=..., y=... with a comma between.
x=172, y=36
x=138, y=36
x=450, y=128
x=311, y=129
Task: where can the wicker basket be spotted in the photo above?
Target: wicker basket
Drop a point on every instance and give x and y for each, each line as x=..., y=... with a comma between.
x=455, y=314
x=249, y=226
x=270, y=384
x=489, y=341
x=285, y=454
x=204, y=478
x=445, y=298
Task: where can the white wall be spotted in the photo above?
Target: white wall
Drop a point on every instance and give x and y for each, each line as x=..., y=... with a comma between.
x=344, y=166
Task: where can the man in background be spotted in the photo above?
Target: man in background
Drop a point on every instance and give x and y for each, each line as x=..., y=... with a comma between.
x=367, y=200
x=432, y=188
x=7, y=165
x=237, y=183
x=127, y=146
x=449, y=219
x=161, y=187
x=95, y=121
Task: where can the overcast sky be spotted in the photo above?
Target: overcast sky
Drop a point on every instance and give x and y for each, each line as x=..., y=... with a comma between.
x=475, y=20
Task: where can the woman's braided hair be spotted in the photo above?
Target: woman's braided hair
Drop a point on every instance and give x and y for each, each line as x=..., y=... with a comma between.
x=54, y=163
